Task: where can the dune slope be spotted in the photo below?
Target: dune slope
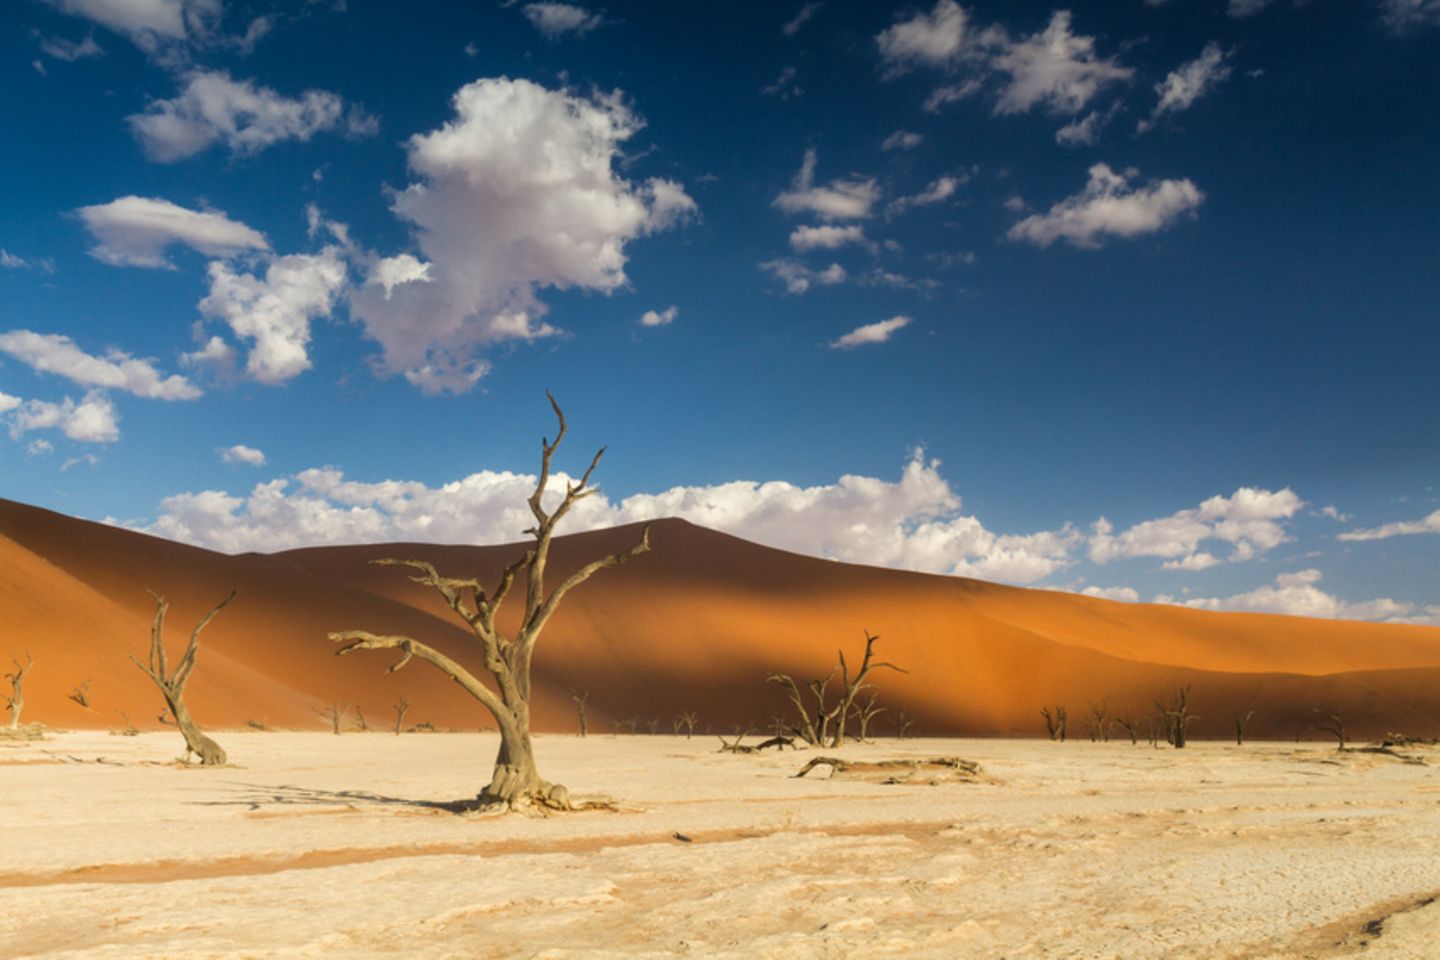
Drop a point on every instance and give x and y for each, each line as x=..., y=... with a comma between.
x=693, y=625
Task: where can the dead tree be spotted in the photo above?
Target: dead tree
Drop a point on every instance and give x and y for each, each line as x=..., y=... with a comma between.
x=864, y=713
x=687, y=720
x=1332, y=724
x=401, y=707
x=1241, y=719
x=360, y=720
x=580, y=699
x=1055, y=722
x=16, y=699
x=903, y=724
x=1126, y=722
x=1098, y=724
x=817, y=730
x=172, y=683
x=1177, y=716
x=335, y=713
x=81, y=694
x=515, y=780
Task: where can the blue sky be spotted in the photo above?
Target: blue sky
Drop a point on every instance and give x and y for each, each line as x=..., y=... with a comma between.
x=1135, y=298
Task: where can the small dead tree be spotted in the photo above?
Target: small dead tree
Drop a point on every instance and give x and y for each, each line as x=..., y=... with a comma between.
x=1177, y=716
x=1127, y=723
x=1332, y=724
x=15, y=701
x=817, y=729
x=360, y=720
x=515, y=781
x=81, y=694
x=686, y=720
x=1241, y=719
x=866, y=712
x=580, y=699
x=904, y=723
x=335, y=713
x=172, y=683
x=1098, y=724
x=1055, y=722
x=401, y=706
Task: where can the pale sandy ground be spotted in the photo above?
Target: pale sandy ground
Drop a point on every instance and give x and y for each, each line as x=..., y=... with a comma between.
x=319, y=846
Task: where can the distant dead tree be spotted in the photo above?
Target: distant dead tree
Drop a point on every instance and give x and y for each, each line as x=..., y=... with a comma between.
x=580, y=699
x=817, y=730
x=1055, y=722
x=628, y=726
x=652, y=726
x=360, y=720
x=1126, y=722
x=1098, y=723
x=904, y=723
x=401, y=706
x=129, y=729
x=335, y=713
x=1241, y=719
x=1332, y=724
x=1177, y=716
x=864, y=713
x=81, y=694
x=515, y=780
x=16, y=699
x=687, y=720
x=172, y=683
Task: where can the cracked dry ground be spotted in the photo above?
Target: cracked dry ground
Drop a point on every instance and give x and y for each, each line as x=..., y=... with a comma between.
x=311, y=845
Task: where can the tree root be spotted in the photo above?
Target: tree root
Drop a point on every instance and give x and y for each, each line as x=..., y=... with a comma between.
x=545, y=800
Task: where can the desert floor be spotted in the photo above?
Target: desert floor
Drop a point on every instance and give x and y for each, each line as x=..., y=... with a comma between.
x=312, y=845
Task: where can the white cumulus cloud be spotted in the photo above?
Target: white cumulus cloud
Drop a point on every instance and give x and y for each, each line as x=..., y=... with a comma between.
x=902, y=140
x=1189, y=82
x=805, y=239
x=1055, y=69
x=1426, y=524
x=134, y=231
x=116, y=370
x=273, y=312
x=802, y=17
x=660, y=318
x=557, y=19
x=1110, y=207
x=939, y=38
x=1251, y=521
x=245, y=117
x=939, y=190
x=912, y=523
x=517, y=192
x=799, y=278
x=1297, y=594
x=149, y=24
x=92, y=420
x=877, y=332
x=1401, y=15
x=240, y=453
x=842, y=199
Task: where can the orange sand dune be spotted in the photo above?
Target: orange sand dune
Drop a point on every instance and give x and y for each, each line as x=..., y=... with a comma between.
x=693, y=625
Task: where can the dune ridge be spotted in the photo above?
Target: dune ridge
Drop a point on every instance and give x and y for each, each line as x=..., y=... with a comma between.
x=694, y=625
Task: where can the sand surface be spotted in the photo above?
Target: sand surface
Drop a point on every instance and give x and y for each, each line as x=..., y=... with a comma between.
x=312, y=845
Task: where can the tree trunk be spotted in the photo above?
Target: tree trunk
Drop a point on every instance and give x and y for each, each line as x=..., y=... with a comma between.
x=516, y=779
x=211, y=754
